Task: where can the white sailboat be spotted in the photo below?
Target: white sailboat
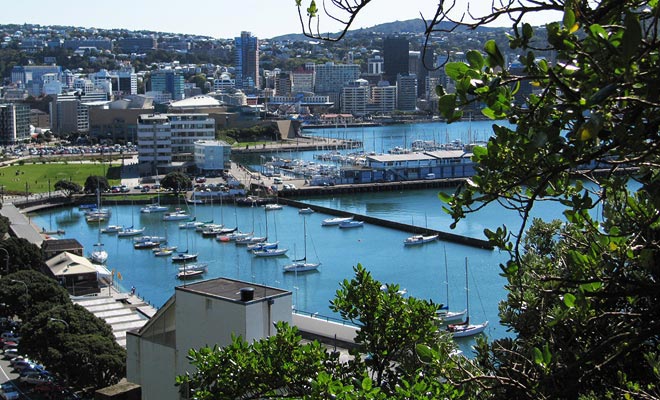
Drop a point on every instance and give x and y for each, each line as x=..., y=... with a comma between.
x=466, y=329
x=301, y=265
x=444, y=314
x=98, y=255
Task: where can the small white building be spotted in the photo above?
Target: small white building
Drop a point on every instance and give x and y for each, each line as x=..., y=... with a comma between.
x=199, y=314
x=212, y=156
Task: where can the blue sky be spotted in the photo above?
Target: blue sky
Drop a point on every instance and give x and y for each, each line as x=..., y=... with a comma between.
x=218, y=19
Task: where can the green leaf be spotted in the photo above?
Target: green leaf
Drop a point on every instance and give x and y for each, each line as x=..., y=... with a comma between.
x=444, y=197
x=598, y=31
x=456, y=70
x=547, y=356
x=538, y=356
x=475, y=59
x=367, y=384
x=447, y=105
x=569, y=19
x=495, y=57
x=569, y=300
x=425, y=353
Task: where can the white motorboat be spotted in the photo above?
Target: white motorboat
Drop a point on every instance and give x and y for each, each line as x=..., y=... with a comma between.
x=191, y=224
x=335, y=221
x=230, y=237
x=419, y=239
x=269, y=252
x=153, y=208
x=183, y=257
x=154, y=239
x=130, y=232
x=189, y=274
x=351, y=224
x=202, y=266
x=273, y=207
x=177, y=215
x=262, y=245
x=110, y=229
x=306, y=210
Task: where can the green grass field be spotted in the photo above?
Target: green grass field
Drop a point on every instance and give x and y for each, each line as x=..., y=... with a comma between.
x=14, y=177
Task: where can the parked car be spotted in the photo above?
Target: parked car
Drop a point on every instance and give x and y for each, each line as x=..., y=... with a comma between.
x=17, y=359
x=9, y=335
x=35, y=377
x=48, y=388
x=9, y=345
x=9, y=391
x=22, y=365
x=11, y=353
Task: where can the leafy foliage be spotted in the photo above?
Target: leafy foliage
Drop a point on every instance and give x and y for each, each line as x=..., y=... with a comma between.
x=177, y=181
x=95, y=182
x=67, y=187
x=407, y=356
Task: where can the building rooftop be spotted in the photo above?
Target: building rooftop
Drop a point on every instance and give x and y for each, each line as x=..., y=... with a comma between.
x=61, y=245
x=196, y=102
x=232, y=290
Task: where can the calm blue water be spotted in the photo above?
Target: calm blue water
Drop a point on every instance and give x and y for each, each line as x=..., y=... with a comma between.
x=418, y=269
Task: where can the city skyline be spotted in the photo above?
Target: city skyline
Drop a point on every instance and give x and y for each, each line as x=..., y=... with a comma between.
x=262, y=19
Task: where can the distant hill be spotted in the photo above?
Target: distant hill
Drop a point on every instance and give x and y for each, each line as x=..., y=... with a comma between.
x=413, y=26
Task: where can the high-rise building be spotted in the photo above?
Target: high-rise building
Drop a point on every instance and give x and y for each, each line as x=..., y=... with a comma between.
x=14, y=123
x=302, y=80
x=406, y=92
x=247, y=61
x=375, y=65
x=70, y=112
x=331, y=78
x=383, y=98
x=168, y=81
x=354, y=97
x=167, y=141
x=395, y=54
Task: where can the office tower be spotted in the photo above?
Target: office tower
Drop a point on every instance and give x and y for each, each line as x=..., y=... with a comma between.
x=168, y=81
x=331, y=78
x=247, y=61
x=406, y=96
x=14, y=123
x=395, y=54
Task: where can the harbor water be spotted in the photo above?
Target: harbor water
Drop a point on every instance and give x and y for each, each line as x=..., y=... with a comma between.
x=420, y=270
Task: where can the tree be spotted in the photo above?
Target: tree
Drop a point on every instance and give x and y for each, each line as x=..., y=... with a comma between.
x=67, y=187
x=23, y=255
x=94, y=182
x=281, y=366
x=582, y=297
x=177, y=181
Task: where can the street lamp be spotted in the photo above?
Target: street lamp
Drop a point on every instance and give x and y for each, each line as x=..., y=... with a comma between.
x=60, y=320
x=6, y=260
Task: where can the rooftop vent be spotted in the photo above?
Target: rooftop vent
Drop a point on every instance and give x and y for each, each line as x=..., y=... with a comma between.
x=247, y=294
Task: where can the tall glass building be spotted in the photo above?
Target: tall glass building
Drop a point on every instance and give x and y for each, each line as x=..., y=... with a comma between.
x=247, y=61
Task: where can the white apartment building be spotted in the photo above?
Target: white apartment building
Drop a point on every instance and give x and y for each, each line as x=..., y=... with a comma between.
x=383, y=98
x=354, y=97
x=331, y=78
x=167, y=141
x=199, y=314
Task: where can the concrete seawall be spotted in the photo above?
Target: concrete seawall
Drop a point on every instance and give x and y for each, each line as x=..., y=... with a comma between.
x=446, y=236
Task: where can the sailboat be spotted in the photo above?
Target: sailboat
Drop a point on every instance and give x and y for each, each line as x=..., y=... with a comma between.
x=131, y=230
x=266, y=251
x=446, y=316
x=301, y=265
x=99, y=255
x=465, y=329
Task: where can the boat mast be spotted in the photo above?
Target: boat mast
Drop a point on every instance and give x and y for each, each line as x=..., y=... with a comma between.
x=467, y=293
